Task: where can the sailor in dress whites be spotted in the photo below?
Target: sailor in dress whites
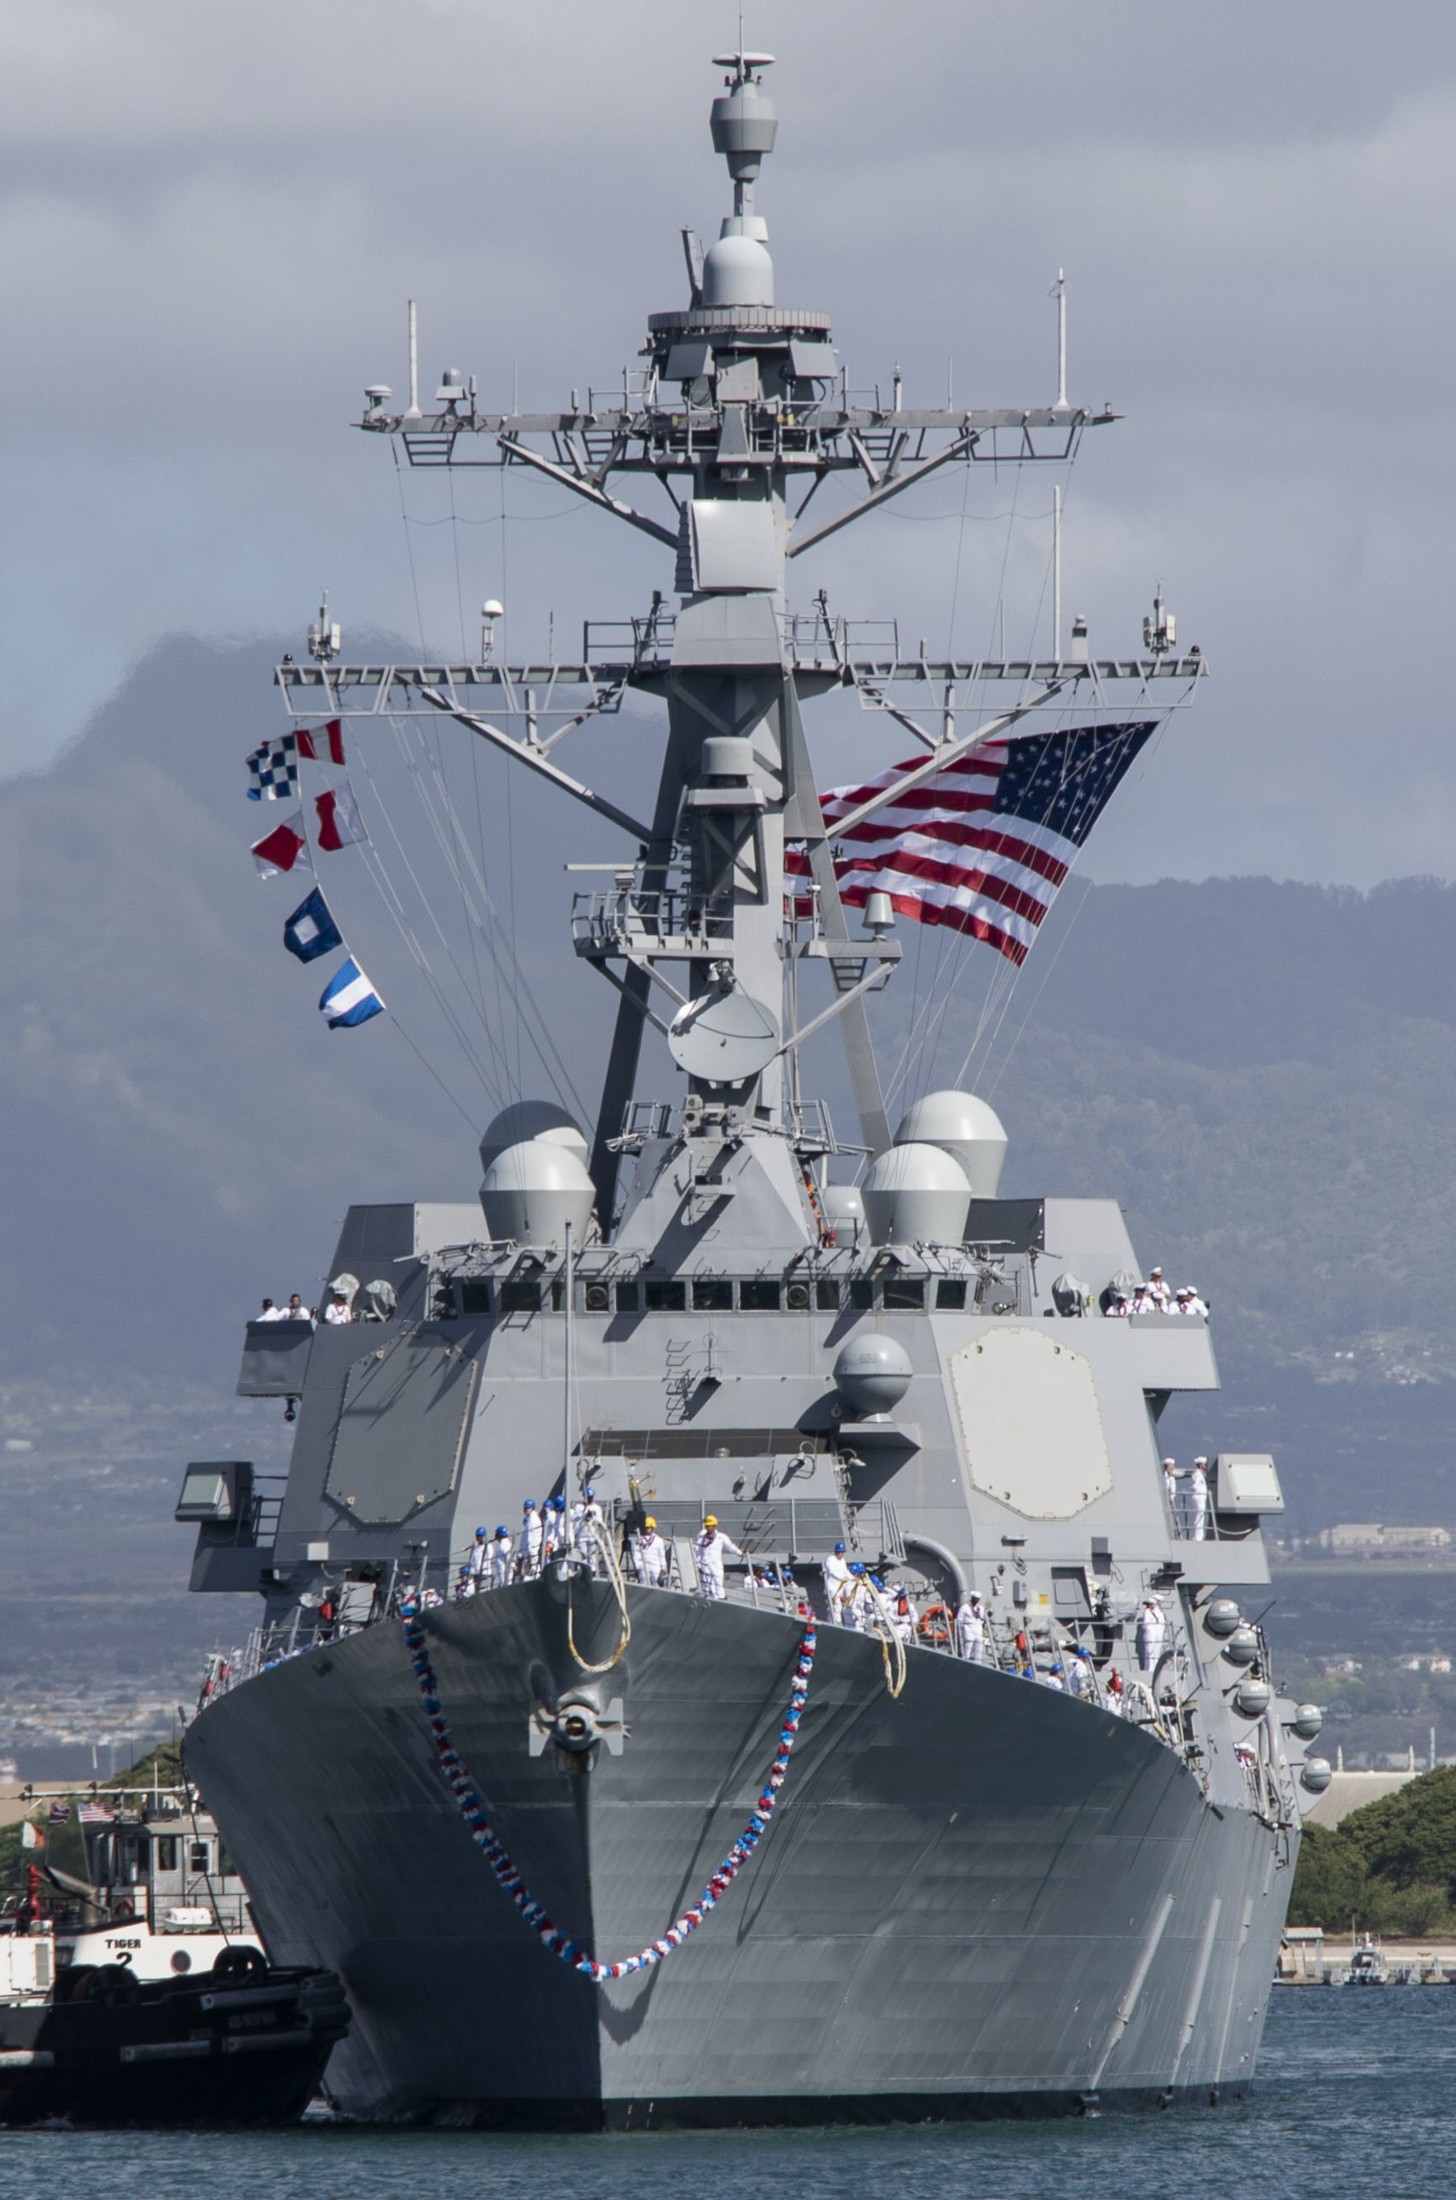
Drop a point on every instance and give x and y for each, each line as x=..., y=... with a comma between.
x=528, y=1542
x=1198, y=1501
x=500, y=1557
x=835, y=1569
x=650, y=1552
x=970, y=1630
x=710, y=1549
x=1158, y=1292
x=479, y=1559
x=1152, y=1624
x=1173, y=1494
x=586, y=1518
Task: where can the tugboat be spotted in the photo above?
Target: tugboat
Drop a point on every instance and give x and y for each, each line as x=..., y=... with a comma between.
x=838, y=1717
x=159, y=1892
x=238, y=2041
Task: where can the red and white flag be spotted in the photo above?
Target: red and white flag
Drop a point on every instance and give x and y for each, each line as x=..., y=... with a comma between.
x=31, y=1836
x=339, y=821
x=321, y=744
x=284, y=849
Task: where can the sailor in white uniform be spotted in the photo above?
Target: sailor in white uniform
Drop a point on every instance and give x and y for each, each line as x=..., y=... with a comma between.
x=1157, y=1291
x=835, y=1569
x=586, y=1518
x=528, y=1542
x=710, y=1549
x=1198, y=1501
x=500, y=1557
x=650, y=1552
x=848, y=1603
x=1173, y=1494
x=970, y=1631
x=1152, y=1629
x=478, y=1560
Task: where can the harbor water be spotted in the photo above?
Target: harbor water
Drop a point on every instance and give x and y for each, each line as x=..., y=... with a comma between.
x=1356, y=2101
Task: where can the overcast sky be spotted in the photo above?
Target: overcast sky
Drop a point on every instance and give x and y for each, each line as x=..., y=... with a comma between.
x=212, y=217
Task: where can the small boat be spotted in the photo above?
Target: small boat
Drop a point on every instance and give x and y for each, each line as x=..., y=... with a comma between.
x=1368, y=1966
x=142, y=1994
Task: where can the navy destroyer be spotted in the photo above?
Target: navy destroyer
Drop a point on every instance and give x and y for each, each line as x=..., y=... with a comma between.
x=731, y=1651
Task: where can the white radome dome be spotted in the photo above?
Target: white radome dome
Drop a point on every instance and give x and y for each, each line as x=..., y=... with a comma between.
x=964, y=1127
x=738, y=271
x=916, y=1195
x=533, y=1119
x=532, y=1190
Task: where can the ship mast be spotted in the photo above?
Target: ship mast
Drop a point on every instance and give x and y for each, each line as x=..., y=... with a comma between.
x=740, y=415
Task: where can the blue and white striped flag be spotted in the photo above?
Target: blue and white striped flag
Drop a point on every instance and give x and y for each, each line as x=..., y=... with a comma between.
x=349, y=998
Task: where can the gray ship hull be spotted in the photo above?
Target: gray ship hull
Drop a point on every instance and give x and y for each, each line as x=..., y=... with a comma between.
x=980, y=1899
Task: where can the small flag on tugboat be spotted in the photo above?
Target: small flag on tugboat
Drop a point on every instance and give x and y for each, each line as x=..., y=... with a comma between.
x=94, y=1814
x=311, y=930
x=983, y=845
x=284, y=849
x=322, y=744
x=339, y=821
x=59, y=1813
x=31, y=1836
x=273, y=770
x=349, y=998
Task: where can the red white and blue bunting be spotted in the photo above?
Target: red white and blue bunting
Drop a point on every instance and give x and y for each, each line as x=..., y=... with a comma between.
x=532, y=1914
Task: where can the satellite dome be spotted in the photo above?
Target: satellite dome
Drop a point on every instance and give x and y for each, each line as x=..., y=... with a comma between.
x=916, y=1195
x=533, y=1189
x=523, y=1119
x=738, y=271
x=964, y=1127
x=843, y=1210
x=872, y=1373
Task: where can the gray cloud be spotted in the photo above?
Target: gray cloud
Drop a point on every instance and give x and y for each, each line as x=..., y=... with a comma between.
x=210, y=220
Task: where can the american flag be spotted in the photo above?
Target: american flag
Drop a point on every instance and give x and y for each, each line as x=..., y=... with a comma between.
x=983, y=845
x=94, y=1814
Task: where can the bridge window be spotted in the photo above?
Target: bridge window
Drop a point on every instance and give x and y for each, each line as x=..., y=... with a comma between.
x=629, y=1298
x=711, y=1294
x=759, y=1295
x=904, y=1294
x=950, y=1293
x=667, y=1298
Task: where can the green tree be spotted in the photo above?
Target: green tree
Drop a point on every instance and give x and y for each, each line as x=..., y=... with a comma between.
x=1409, y=1838
x=1331, y=1884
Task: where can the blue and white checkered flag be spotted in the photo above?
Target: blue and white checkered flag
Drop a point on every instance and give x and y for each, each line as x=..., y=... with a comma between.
x=273, y=770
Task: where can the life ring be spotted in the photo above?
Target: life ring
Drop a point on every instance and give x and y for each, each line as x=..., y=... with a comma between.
x=933, y=1625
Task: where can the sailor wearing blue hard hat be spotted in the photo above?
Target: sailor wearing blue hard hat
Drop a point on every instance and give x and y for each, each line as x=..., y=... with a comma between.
x=835, y=1569
x=528, y=1542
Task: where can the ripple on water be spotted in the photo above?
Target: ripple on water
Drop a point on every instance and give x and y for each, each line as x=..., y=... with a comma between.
x=1356, y=2101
